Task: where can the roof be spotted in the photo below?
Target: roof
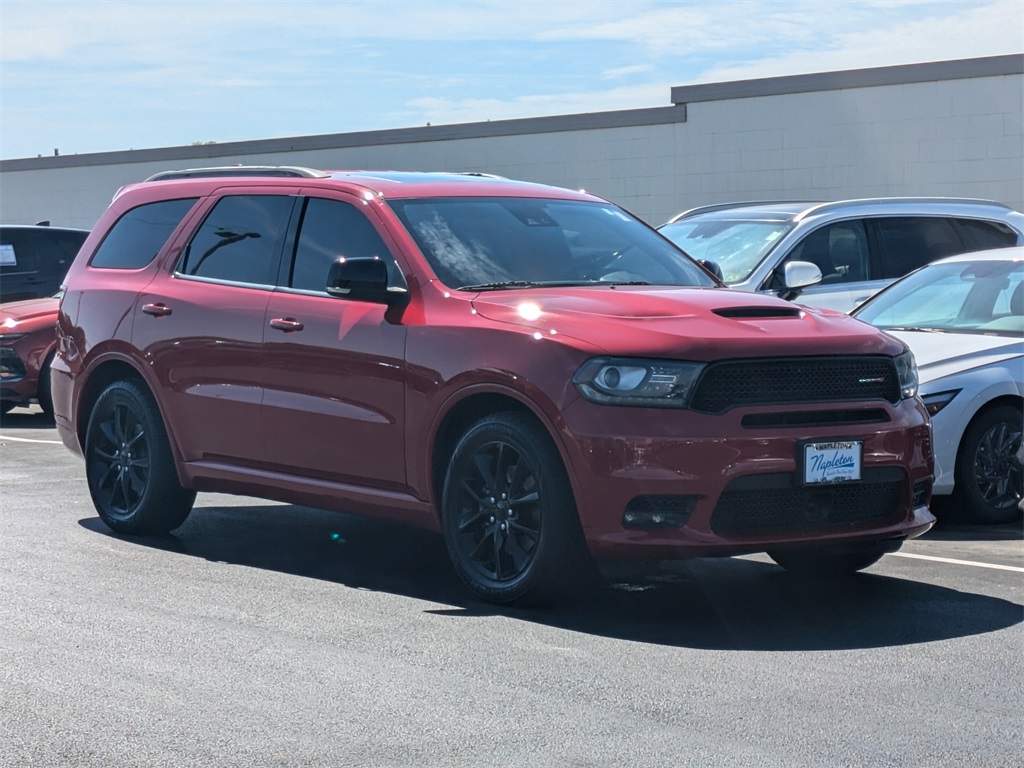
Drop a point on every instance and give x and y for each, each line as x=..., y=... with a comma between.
x=1014, y=253
x=798, y=210
x=383, y=183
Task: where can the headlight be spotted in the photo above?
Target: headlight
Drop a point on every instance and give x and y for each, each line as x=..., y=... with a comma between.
x=906, y=369
x=936, y=402
x=628, y=381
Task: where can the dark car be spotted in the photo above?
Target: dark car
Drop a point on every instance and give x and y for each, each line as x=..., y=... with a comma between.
x=35, y=258
x=532, y=371
x=27, y=345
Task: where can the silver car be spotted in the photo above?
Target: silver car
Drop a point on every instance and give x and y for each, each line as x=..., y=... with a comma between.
x=837, y=254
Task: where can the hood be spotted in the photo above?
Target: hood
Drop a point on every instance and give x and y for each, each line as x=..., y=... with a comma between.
x=701, y=323
x=940, y=354
x=28, y=315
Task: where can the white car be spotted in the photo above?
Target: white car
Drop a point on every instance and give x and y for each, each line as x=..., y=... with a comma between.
x=963, y=318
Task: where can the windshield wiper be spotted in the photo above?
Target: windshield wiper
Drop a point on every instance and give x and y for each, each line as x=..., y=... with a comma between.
x=507, y=284
x=500, y=286
x=911, y=328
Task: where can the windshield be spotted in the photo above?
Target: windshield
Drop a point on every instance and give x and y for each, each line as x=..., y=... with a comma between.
x=968, y=297
x=498, y=243
x=735, y=245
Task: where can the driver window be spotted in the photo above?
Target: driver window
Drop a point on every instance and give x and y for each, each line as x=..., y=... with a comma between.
x=331, y=229
x=839, y=250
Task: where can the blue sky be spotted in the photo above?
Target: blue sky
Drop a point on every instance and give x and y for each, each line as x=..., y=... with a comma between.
x=83, y=76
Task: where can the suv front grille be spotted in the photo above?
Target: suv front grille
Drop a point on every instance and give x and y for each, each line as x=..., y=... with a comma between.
x=780, y=381
x=777, y=503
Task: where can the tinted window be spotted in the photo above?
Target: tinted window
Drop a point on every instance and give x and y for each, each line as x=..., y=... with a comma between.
x=27, y=250
x=138, y=236
x=910, y=242
x=332, y=229
x=34, y=260
x=240, y=239
x=839, y=250
x=982, y=235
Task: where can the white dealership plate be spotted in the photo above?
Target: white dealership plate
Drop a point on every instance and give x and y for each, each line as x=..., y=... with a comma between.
x=837, y=461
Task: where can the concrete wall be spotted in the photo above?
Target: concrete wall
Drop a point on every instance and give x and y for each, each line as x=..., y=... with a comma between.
x=942, y=128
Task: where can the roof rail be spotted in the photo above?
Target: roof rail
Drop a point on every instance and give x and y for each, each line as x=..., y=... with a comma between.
x=726, y=206
x=240, y=170
x=839, y=204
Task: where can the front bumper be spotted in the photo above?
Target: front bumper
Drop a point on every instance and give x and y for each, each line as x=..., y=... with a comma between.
x=734, y=484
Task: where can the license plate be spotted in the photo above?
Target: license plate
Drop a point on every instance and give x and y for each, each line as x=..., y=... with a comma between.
x=835, y=462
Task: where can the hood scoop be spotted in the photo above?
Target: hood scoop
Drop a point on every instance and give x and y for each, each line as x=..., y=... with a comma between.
x=758, y=313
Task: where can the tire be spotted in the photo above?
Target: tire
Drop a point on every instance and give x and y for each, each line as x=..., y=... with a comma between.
x=43, y=394
x=129, y=465
x=6, y=408
x=830, y=563
x=987, y=478
x=509, y=517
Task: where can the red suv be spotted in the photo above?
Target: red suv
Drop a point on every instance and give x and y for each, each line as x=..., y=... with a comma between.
x=530, y=370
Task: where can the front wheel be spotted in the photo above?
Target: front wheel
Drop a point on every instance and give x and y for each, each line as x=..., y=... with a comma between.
x=508, y=513
x=987, y=477
x=129, y=466
x=830, y=562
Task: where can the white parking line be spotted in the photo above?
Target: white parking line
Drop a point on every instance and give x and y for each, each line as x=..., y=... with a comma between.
x=959, y=562
x=28, y=440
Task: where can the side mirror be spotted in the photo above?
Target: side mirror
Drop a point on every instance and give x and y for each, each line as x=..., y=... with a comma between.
x=712, y=267
x=797, y=275
x=363, y=279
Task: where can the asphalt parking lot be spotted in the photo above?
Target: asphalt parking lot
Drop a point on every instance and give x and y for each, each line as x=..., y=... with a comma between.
x=269, y=634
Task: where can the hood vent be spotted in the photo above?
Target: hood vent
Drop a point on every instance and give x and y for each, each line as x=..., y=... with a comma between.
x=758, y=313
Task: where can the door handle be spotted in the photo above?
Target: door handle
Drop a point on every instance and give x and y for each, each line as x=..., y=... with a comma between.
x=286, y=324
x=156, y=310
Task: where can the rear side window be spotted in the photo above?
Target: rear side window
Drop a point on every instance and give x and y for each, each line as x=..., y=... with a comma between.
x=240, y=241
x=138, y=236
x=909, y=242
x=332, y=229
x=982, y=235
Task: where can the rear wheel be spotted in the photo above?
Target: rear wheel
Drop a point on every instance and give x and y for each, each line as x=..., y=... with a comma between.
x=509, y=516
x=987, y=477
x=129, y=466
x=834, y=562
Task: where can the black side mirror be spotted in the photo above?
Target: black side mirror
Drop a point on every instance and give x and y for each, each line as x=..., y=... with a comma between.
x=712, y=268
x=363, y=279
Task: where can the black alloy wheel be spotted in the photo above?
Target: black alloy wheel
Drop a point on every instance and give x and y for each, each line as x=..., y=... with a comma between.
x=508, y=513
x=987, y=477
x=128, y=464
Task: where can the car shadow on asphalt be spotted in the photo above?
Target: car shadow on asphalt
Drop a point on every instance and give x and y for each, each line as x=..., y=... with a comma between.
x=26, y=418
x=721, y=604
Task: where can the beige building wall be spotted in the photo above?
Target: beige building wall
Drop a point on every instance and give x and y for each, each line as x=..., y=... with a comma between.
x=943, y=128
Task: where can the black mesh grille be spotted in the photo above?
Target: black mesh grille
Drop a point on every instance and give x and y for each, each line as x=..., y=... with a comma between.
x=733, y=383
x=777, y=503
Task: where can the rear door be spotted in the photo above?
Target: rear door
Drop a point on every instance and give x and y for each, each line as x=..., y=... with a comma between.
x=335, y=368
x=201, y=327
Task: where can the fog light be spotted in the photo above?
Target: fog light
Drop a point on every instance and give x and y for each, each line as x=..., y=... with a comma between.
x=658, y=512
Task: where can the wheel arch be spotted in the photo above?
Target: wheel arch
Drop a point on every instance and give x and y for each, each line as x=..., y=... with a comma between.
x=466, y=412
x=1014, y=401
